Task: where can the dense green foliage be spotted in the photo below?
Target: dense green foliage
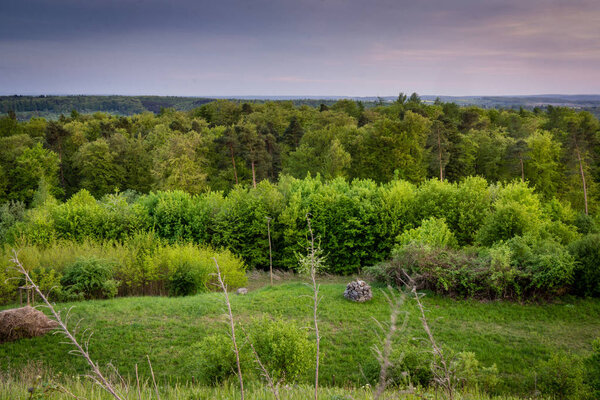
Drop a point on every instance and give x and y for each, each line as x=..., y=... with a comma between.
x=89, y=278
x=221, y=143
x=502, y=240
x=513, y=194
x=141, y=265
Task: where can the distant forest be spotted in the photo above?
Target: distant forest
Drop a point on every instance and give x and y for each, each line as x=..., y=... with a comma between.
x=52, y=107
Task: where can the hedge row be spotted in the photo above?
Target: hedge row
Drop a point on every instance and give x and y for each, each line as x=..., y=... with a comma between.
x=357, y=223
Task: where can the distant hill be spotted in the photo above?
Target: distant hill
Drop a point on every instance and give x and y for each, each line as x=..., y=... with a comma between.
x=52, y=107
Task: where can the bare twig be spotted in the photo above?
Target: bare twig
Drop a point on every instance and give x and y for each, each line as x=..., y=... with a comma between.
x=153, y=380
x=97, y=374
x=232, y=325
x=315, y=288
x=443, y=374
x=383, y=355
x=270, y=251
x=137, y=381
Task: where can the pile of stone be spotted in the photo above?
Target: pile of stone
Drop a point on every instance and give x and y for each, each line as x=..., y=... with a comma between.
x=358, y=291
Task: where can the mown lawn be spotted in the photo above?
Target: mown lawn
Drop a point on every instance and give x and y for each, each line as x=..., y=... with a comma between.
x=513, y=336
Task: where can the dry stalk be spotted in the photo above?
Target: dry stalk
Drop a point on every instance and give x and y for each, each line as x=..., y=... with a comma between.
x=274, y=386
x=383, y=354
x=442, y=372
x=137, y=380
x=97, y=376
x=315, y=288
x=232, y=326
x=153, y=380
x=270, y=250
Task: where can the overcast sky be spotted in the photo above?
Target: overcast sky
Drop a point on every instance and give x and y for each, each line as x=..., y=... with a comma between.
x=299, y=47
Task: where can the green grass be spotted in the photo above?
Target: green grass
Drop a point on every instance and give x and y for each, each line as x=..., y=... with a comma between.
x=253, y=391
x=513, y=336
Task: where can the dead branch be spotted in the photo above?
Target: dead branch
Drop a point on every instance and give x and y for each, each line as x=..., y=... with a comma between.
x=97, y=374
x=232, y=326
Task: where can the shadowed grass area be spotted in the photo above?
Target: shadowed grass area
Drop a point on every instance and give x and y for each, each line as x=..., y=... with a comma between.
x=514, y=336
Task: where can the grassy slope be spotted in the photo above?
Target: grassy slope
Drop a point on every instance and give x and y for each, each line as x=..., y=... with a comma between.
x=513, y=336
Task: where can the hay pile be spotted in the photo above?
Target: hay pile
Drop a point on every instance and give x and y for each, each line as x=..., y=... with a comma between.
x=24, y=322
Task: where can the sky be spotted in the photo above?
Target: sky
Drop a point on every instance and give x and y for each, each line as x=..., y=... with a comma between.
x=299, y=47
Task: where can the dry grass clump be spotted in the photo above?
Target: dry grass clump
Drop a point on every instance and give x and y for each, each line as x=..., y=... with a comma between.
x=24, y=322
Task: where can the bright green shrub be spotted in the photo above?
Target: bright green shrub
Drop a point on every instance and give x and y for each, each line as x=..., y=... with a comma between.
x=37, y=227
x=183, y=269
x=177, y=215
x=214, y=359
x=586, y=252
x=547, y=264
x=284, y=348
x=89, y=278
x=241, y=223
x=345, y=218
x=82, y=217
x=516, y=211
x=469, y=373
x=432, y=232
x=464, y=206
x=562, y=376
x=397, y=211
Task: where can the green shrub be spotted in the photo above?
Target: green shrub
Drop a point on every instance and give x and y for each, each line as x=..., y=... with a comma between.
x=82, y=216
x=432, y=232
x=183, y=269
x=592, y=368
x=469, y=373
x=587, y=271
x=214, y=359
x=504, y=276
x=547, y=265
x=241, y=223
x=89, y=278
x=411, y=364
x=284, y=348
x=562, y=376
x=10, y=213
x=516, y=211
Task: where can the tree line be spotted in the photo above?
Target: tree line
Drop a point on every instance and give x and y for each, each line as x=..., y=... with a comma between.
x=223, y=143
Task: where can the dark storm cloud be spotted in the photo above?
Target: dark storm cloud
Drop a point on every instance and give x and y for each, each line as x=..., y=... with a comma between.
x=299, y=47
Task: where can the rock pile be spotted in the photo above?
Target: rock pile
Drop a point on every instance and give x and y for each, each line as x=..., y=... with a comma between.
x=358, y=291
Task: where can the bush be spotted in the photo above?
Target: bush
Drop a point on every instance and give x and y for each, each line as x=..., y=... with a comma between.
x=10, y=213
x=547, y=265
x=89, y=278
x=411, y=364
x=432, y=232
x=283, y=348
x=184, y=269
x=469, y=373
x=592, y=368
x=562, y=377
x=586, y=252
x=215, y=360
x=516, y=211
